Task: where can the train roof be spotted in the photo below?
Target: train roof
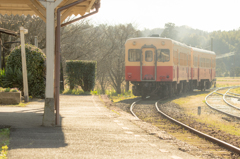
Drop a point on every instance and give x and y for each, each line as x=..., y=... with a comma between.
x=174, y=42
x=203, y=51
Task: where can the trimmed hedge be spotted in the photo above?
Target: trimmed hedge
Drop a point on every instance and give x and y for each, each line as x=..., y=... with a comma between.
x=36, y=70
x=81, y=73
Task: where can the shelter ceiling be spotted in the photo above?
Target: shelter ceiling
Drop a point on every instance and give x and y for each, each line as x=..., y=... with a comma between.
x=34, y=7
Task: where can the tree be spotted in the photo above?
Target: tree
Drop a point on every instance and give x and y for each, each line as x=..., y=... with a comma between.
x=169, y=31
x=114, y=52
x=220, y=68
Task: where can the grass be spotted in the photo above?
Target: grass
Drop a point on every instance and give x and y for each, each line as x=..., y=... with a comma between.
x=112, y=94
x=190, y=107
x=16, y=105
x=119, y=97
x=4, y=142
x=75, y=92
x=236, y=90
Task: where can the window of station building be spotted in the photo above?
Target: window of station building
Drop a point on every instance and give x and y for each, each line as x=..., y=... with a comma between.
x=163, y=55
x=134, y=55
x=148, y=56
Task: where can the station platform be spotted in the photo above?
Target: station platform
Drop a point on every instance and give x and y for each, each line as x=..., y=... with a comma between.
x=89, y=130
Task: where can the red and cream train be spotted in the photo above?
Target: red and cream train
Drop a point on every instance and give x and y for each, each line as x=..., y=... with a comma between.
x=162, y=66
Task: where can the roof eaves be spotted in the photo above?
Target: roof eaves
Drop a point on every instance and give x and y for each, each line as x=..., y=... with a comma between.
x=9, y=32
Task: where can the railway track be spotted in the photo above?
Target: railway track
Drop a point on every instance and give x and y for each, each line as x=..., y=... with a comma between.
x=224, y=144
x=220, y=102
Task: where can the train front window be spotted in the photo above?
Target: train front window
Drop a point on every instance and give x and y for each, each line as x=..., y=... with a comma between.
x=134, y=55
x=163, y=55
x=148, y=56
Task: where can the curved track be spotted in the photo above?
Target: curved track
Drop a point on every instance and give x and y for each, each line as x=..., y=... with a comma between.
x=220, y=102
x=199, y=133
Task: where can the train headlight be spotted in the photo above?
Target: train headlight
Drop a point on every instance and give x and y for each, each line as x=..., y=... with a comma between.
x=163, y=42
x=134, y=42
x=129, y=76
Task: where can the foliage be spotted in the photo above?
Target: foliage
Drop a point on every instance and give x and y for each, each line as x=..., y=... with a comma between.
x=169, y=31
x=2, y=75
x=35, y=25
x=36, y=70
x=75, y=92
x=9, y=89
x=81, y=73
x=111, y=63
x=115, y=97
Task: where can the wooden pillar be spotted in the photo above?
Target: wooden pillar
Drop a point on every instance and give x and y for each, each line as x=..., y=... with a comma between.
x=24, y=67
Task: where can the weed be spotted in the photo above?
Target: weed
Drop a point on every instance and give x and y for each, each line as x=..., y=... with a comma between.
x=75, y=92
x=4, y=142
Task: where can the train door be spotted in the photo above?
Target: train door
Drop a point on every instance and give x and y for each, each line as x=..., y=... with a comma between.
x=148, y=64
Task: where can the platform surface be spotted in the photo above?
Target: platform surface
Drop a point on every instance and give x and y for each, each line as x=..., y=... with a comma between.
x=89, y=130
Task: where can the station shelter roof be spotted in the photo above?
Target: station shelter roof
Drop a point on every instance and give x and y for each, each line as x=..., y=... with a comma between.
x=34, y=7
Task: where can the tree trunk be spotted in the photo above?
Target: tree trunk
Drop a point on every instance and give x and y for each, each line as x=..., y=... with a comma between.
x=127, y=86
x=118, y=89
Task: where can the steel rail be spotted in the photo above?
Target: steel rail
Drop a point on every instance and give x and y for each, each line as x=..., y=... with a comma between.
x=218, y=109
x=131, y=108
x=208, y=137
x=234, y=93
x=227, y=101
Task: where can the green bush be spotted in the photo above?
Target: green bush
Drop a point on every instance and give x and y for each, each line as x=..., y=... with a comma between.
x=2, y=75
x=36, y=70
x=81, y=73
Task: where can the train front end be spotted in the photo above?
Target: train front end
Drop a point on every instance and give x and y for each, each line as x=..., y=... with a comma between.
x=148, y=64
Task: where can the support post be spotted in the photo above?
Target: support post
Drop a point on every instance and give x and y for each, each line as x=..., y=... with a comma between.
x=0, y=52
x=49, y=116
x=24, y=68
x=36, y=41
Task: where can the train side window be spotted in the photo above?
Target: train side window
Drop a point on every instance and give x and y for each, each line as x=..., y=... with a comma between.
x=163, y=55
x=189, y=60
x=195, y=61
x=185, y=59
x=181, y=58
x=175, y=57
x=134, y=55
x=148, y=56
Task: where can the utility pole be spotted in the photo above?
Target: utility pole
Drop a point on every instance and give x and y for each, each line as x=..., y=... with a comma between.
x=24, y=68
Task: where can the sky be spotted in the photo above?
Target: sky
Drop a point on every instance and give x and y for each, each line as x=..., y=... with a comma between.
x=206, y=15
